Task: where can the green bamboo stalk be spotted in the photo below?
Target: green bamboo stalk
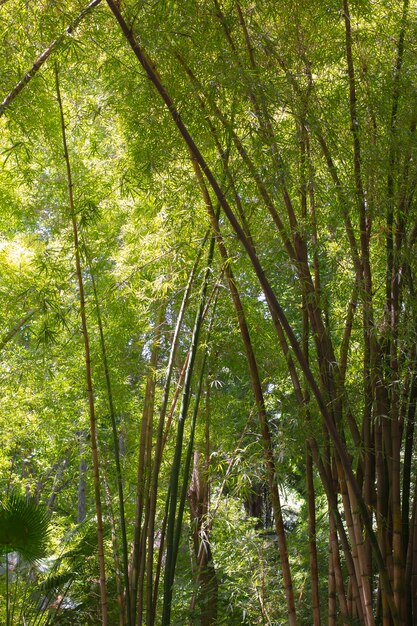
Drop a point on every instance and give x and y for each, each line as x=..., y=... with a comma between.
x=150, y=588
x=119, y=478
x=189, y=454
x=170, y=555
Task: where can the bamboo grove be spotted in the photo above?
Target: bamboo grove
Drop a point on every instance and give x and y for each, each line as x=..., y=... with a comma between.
x=208, y=275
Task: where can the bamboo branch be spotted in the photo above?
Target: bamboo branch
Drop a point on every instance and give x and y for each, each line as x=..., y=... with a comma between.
x=44, y=56
x=16, y=328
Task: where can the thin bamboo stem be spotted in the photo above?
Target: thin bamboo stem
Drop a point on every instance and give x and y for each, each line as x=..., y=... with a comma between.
x=88, y=372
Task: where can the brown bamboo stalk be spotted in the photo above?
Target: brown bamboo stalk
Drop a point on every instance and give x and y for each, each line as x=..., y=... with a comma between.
x=382, y=491
x=330, y=487
x=394, y=387
x=336, y=587
x=411, y=567
x=88, y=373
x=338, y=582
x=198, y=496
x=408, y=451
x=363, y=563
x=331, y=589
x=145, y=450
x=392, y=147
x=311, y=504
x=115, y=547
x=116, y=452
x=355, y=547
x=314, y=568
x=259, y=399
x=310, y=188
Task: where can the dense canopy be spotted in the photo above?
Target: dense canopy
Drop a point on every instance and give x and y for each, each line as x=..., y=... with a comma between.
x=208, y=313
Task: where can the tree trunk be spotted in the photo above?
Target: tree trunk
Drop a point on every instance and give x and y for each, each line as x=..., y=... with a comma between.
x=206, y=573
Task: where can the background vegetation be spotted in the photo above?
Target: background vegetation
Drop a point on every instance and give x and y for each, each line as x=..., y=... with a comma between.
x=208, y=312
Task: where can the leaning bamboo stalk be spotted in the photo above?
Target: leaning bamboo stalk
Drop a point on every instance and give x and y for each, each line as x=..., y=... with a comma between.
x=382, y=505
x=121, y=598
x=410, y=521
x=88, y=373
x=329, y=487
x=190, y=446
x=411, y=565
x=331, y=587
x=174, y=401
x=16, y=328
x=309, y=476
x=314, y=568
x=336, y=582
x=160, y=559
x=336, y=585
x=259, y=399
x=408, y=453
x=142, y=599
x=350, y=524
x=204, y=571
x=362, y=563
x=393, y=148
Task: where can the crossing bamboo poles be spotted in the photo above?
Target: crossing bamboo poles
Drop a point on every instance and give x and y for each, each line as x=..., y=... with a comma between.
x=273, y=303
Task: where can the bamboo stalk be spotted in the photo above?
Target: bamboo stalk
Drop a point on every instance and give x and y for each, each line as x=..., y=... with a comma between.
x=88, y=373
x=145, y=445
x=16, y=328
x=259, y=399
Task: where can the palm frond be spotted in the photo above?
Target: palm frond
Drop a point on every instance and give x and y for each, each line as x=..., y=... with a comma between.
x=23, y=527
